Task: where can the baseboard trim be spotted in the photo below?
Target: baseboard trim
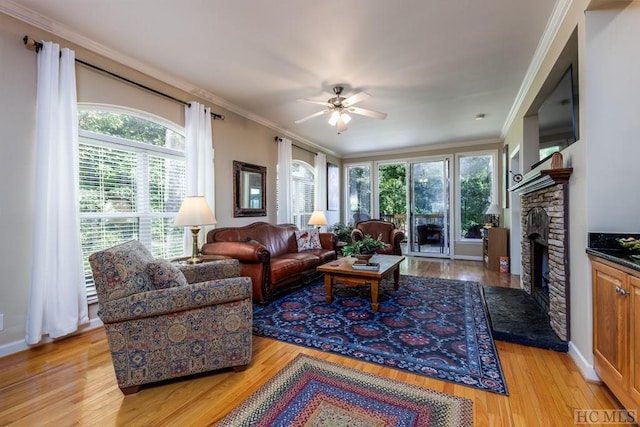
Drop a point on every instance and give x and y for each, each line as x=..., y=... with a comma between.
x=468, y=257
x=21, y=345
x=585, y=368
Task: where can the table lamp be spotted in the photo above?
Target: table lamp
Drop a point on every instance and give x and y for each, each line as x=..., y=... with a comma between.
x=318, y=219
x=494, y=213
x=194, y=212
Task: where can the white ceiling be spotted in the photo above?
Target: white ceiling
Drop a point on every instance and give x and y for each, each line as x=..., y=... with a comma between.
x=431, y=65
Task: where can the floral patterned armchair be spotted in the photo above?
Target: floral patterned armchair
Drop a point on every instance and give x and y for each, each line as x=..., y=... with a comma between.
x=165, y=321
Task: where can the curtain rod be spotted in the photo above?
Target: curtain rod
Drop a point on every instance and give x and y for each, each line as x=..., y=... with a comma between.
x=278, y=139
x=36, y=45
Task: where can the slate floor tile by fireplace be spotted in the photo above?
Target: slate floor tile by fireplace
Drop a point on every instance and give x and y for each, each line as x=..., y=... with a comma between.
x=515, y=317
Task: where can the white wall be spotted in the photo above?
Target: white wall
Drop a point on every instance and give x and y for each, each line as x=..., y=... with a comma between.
x=579, y=266
x=613, y=119
x=17, y=121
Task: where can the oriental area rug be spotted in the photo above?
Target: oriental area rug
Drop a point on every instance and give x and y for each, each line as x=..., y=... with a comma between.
x=312, y=392
x=432, y=327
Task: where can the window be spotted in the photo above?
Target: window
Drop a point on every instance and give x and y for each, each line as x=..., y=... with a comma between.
x=477, y=190
x=132, y=182
x=358, y=193
x=302, y=193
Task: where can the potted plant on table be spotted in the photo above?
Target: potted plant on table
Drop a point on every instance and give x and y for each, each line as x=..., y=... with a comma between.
x=342, y=232
x=365, y=248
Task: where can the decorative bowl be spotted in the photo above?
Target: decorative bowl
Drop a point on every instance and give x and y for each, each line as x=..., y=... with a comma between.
x=631, y=244
x=365, y=257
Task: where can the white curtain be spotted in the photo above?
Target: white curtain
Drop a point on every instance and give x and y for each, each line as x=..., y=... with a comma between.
x=321, y=182
x=199, y=156
x=285, y=215
x=57, y=299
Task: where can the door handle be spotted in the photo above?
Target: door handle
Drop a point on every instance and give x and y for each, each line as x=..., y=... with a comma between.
x=621, y=291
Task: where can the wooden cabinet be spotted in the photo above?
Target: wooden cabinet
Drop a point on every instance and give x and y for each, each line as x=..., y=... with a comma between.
x=634, y=342
x=494, y=246
x=616, y=329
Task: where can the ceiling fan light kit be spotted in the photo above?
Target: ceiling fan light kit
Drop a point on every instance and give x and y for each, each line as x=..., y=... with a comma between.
x=338, y=115
x=338, y=106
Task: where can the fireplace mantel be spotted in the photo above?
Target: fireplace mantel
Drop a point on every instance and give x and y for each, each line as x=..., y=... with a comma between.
x=542, y=179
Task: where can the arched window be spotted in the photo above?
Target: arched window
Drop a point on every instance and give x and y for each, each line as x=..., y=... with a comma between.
x=132, y=182
x=302, y=192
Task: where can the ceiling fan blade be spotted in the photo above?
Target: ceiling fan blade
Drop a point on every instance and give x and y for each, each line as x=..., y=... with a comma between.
x=355, y=98
x=319, y=113
x=341, y=125
x=368, y=113
x=313, y=101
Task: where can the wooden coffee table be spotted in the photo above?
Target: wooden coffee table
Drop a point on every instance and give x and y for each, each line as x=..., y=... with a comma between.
x=342, y=271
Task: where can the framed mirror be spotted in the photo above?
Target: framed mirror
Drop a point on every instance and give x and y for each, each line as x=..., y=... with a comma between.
x=249, y=189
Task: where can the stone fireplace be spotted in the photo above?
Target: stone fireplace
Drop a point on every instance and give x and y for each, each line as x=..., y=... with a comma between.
x=545, y=255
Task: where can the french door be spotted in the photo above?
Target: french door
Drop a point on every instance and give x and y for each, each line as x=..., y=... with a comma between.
x=415, y=196
x=429, y=207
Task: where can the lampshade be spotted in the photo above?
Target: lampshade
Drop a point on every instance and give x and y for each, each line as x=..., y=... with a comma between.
x=334, y=117
x=318, y=219
x=493, y=210
x=194, y=211
x=339, y=115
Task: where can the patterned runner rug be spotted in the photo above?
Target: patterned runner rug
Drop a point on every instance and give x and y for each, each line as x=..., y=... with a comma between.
x=433, y=327
x=312, y=392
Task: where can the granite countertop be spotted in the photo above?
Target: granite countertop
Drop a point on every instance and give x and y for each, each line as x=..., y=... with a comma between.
x=605, y=246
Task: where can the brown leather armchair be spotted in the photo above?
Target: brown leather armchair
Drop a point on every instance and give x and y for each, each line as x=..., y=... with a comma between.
x=387, y=230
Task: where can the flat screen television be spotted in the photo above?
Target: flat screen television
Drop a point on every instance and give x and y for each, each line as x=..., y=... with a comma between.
x=558, y=116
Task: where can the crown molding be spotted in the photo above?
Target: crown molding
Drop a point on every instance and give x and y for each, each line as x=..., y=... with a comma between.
x=560, y=10
x=28, y=16
x=424, y=147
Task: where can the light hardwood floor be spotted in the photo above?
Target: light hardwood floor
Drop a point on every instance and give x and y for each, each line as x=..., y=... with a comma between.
x=71, y=381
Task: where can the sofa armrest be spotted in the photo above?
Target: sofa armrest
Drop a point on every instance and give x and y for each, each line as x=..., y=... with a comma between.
x=171, y=300
x=397, y=236
x=250, y=251
x=357, y=235
x=328, y=241
x=211, y=270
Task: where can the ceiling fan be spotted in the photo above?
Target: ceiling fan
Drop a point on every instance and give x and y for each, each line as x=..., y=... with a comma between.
x=339, y=106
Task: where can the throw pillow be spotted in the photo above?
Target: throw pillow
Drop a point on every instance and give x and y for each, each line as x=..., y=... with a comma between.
x=164, y=274
x=308, y=239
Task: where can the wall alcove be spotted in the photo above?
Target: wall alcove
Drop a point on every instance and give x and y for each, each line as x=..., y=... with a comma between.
x=553, y=116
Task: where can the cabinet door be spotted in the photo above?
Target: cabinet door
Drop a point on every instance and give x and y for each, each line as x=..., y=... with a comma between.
x=610, y=319
x=634, y=341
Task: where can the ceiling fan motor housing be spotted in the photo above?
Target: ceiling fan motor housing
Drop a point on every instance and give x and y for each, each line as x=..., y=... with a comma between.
x=337, y=100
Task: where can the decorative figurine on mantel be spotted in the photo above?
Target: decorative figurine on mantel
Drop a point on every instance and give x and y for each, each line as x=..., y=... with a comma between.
x=556, y=160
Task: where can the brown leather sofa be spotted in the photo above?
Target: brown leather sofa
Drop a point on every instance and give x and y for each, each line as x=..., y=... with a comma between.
x=269, y=255
x=387, y=230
